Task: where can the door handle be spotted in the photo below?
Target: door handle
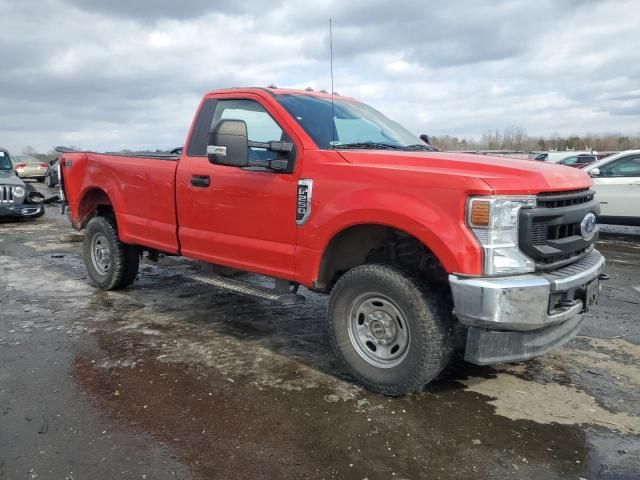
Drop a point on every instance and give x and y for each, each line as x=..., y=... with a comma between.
x=200, y=180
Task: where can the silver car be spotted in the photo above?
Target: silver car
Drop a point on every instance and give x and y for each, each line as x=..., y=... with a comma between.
x=27, y=166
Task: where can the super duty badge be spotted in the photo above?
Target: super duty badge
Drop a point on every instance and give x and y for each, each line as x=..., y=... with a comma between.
x=303, y=207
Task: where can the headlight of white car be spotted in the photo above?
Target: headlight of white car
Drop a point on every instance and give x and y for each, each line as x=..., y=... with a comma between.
x=18, y=191
x=494, y=222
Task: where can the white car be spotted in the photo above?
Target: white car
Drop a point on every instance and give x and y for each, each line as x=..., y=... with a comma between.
x=617, y=185
x=555, y=157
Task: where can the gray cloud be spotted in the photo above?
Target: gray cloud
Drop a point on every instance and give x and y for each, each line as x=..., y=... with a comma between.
x=129, y=74
x=151, y=10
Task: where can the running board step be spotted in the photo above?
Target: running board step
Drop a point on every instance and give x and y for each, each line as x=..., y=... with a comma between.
x=284, y=298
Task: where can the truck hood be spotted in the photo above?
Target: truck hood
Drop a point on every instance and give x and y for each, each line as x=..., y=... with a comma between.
x=503, y=174
x=7, y=177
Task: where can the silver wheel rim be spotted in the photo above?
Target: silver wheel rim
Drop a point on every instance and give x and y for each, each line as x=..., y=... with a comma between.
x=378, y=330
x=100, y=254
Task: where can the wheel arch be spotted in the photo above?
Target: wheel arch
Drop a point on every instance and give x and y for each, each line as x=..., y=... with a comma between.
x=363, y=243
x=94, y=202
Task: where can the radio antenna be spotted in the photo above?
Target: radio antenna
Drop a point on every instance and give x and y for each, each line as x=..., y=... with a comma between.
x=333, y=128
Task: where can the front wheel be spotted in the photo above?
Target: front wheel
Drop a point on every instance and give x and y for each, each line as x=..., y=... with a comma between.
x=390, y=328
x=110, y=263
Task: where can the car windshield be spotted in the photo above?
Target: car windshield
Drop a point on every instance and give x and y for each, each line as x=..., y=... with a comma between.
x=5, y=161
x=348, y=124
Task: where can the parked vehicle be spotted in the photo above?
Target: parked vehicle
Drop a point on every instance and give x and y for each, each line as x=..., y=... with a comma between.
x=420, y=250
x=556, y=157
x=51, y=177
x=617, y=180
x=578, y=161
x=16, y=198
x=27, y=166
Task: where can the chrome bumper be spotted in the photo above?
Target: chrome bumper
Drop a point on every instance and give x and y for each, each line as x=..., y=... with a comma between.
x=520, y=317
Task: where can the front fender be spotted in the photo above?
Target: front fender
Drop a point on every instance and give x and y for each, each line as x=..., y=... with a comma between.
x=437, y=223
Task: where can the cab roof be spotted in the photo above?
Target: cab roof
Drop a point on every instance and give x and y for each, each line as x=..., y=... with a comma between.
x=281, y=91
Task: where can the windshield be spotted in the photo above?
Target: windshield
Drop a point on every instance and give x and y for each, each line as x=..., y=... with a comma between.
x=352, y=124
x=5, y=161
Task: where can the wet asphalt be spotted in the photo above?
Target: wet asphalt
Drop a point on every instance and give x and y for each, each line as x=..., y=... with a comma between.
x=170, y=379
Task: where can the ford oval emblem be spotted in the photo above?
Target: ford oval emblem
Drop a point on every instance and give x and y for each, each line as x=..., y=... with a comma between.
x=588, y=226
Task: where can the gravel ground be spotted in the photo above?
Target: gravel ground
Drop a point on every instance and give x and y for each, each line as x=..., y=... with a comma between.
x=171, y=379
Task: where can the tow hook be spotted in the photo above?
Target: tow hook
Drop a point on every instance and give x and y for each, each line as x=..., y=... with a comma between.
x=603, y=277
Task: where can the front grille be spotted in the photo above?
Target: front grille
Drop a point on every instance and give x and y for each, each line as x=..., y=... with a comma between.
x=565, y=199
x=563, y=259
x=6, y=194
x=550, y=234
x=542, y=231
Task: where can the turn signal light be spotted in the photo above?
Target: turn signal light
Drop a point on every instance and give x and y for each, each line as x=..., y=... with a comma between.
x=20, y=166
x=480, y=213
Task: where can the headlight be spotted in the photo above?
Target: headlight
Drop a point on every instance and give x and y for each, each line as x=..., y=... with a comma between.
x=494, y=222
x=18, y=191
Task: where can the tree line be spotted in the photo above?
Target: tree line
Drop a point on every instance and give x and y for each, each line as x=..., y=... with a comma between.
x=515, y=138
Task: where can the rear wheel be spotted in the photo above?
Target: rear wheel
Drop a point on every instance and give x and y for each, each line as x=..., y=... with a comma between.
x=390, y=328
x=49, y=181
x=111, y=264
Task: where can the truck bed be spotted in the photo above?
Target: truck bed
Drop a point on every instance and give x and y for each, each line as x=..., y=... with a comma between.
x=141, y=188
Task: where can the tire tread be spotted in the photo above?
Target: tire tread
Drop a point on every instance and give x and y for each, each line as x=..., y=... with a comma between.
x=124, y=258
x=436, y=344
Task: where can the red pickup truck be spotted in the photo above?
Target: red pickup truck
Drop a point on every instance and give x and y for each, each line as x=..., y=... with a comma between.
x=423, y=252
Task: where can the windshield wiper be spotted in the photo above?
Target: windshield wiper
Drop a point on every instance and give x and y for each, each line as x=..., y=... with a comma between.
x=367, y=146
x=420, y=147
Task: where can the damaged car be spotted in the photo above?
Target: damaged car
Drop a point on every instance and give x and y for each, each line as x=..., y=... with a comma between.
x=17, y=199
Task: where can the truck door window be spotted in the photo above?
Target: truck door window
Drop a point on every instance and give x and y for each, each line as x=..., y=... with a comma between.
x=261, y=127
x=198, y=142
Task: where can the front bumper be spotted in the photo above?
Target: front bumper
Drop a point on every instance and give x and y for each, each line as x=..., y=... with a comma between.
x=25, y=210
x=524, y=316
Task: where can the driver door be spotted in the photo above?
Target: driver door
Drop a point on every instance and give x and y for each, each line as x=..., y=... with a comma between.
x=243, y=218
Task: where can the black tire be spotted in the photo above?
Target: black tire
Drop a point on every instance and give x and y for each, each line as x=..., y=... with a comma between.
x=426, y=313
x=122, y=266
x=49, y=181
x=40, y=179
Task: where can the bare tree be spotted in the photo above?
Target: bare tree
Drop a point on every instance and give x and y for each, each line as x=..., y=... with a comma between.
x=29, y=150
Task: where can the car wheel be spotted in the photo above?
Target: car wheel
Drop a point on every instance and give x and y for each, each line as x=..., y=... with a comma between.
x=111, y=264
x=390, y=328
x=49, y=181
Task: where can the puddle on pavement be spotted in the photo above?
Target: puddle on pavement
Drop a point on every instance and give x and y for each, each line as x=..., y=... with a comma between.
x=225, y=427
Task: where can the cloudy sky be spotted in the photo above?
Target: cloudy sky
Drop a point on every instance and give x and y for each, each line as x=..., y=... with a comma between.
x=129, y=73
